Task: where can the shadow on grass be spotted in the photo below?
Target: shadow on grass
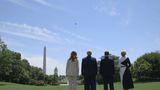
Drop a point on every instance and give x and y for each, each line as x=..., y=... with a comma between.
x=2, y=84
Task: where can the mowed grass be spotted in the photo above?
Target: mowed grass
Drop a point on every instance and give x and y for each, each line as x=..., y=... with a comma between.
x=138, y=86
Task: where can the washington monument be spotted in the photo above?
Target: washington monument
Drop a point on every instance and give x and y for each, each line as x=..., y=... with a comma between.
x=44, y=60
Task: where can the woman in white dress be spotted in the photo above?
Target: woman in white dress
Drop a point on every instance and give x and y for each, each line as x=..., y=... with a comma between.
x=125, y=74
x=72, y=70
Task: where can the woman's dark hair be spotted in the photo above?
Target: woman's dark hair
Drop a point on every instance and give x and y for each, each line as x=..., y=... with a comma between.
x=73, y=53
x=106, y=53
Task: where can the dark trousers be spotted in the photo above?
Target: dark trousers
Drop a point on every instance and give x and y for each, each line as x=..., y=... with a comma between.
x=89, y=82
x=106, y=81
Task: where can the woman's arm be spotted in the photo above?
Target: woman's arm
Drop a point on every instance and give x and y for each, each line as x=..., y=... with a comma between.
x=77, y=67
x=129, y=63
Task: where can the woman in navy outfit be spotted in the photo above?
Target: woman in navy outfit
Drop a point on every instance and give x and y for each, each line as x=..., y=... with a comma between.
x=126, y=78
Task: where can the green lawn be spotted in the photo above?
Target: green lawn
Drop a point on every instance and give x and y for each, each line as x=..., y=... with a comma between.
x=138, y=86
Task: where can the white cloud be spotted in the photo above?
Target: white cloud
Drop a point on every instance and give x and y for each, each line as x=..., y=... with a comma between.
x=50, y=65
x=61, y=37
x=43, y=2
x=27, y=31
x=107, y=6
x=128, y=17
x=32, y=4
x=48, y=4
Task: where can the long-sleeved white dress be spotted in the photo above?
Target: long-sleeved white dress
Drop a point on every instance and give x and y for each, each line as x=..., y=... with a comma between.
x=72, y=71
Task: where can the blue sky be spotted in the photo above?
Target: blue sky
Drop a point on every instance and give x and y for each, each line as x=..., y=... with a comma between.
x=65, y=25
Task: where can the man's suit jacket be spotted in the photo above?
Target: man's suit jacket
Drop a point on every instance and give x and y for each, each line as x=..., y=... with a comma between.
x=89, y=66
x=107, y=67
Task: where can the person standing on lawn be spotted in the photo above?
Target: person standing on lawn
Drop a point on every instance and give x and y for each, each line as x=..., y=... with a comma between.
x=107, y=71
x=125, y=74
x=89, y=71
x=72, y=70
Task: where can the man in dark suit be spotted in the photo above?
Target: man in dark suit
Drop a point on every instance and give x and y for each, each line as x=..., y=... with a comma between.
x=89, y=71
x=107, y=71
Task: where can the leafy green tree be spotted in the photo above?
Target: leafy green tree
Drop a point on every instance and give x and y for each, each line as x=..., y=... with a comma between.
x=37, y=73
x=3, y=46
x=55, y=77
x=50, y=79
x=117, y=69
x=15, y=69
x=147, y=67
x=142, y=69
x=5, y=65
